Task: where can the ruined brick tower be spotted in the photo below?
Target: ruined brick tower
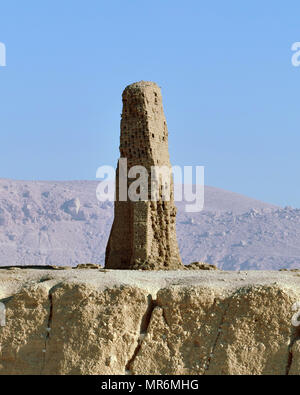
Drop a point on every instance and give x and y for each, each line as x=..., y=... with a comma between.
x=143, y=235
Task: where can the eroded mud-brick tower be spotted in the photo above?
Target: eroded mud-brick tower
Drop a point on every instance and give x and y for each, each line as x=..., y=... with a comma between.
x=143, y=235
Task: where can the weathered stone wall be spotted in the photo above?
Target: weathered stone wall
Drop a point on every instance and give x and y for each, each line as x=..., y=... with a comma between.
x=143, y=234
x=120, y=322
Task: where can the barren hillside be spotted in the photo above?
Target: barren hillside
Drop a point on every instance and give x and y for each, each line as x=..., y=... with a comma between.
x=62, y=223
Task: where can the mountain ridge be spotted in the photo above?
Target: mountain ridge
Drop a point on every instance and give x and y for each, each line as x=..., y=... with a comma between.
x=62, y=223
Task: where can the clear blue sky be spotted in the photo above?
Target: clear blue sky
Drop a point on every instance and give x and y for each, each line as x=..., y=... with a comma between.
x=231, y=94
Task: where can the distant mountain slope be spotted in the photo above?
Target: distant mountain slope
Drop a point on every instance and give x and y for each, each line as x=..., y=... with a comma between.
x=62, y=223
x=219, y=200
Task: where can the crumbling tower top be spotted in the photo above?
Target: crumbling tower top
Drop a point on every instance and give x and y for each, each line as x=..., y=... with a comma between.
x=144, y=133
